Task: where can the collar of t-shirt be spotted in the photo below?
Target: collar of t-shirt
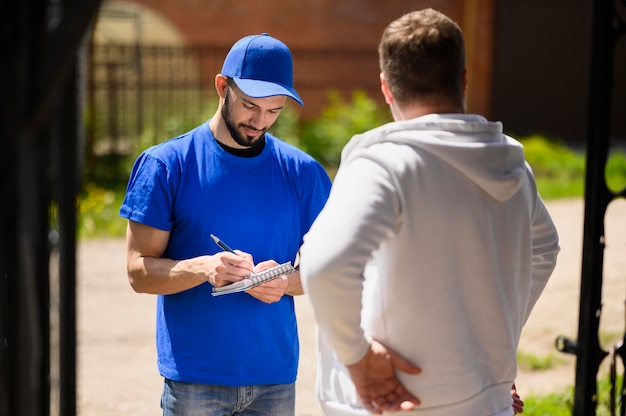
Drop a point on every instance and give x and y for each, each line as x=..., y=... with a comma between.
x=252, y=151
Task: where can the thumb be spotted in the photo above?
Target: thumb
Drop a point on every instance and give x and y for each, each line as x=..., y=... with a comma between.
x=402, y=364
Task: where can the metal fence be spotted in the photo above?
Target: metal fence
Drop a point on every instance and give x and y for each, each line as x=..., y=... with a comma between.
x=140, y=95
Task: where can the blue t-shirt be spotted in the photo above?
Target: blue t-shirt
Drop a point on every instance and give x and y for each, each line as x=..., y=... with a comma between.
x=261, y=205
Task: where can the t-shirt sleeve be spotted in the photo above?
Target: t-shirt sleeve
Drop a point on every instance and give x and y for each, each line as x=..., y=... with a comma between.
x=149, y=193
x=314, y=194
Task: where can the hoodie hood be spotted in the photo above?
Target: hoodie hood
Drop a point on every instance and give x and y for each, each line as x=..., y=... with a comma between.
x=469, y=143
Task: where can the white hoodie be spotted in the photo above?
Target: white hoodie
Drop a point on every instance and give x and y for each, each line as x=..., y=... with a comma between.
x=443, y=212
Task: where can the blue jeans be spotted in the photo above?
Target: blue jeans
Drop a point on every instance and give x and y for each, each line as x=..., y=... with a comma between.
x=189, y=399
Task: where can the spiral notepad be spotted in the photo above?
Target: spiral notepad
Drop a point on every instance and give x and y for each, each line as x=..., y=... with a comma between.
x=254, y=280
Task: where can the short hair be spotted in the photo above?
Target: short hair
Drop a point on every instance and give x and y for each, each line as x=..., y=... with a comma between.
x=422, y=55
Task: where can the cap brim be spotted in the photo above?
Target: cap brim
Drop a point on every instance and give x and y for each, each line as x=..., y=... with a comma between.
x=261, y=89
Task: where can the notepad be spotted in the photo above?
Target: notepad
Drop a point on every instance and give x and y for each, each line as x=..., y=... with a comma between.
x=254, y=280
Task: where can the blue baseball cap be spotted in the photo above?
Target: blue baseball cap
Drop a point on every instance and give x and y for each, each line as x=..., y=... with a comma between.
x=261, y=67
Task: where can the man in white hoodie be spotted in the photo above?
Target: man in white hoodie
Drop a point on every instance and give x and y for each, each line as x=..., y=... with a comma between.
x=433, y=248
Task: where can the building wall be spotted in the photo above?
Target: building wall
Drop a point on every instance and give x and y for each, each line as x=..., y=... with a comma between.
x=305, y=23
x=542, y=70
x=333, y=42
x=528, y=60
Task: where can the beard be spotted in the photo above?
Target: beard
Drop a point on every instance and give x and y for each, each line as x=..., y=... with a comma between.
x=239, y=138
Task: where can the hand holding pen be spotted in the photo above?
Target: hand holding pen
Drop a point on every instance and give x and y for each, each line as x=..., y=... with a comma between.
x=224, y=275
x=270, y=291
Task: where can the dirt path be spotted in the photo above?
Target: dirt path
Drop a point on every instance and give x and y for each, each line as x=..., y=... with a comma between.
x=117, y=370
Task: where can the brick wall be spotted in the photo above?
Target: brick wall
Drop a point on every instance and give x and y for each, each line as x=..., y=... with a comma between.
x=333, y=41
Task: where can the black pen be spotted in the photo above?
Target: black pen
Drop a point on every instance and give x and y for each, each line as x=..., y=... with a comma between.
x=222, y=244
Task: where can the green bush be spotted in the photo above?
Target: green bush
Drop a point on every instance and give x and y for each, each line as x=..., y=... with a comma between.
x=616, y=171
x=324, y=137
x=559, y=171
x=98, y=213
x=287, y=126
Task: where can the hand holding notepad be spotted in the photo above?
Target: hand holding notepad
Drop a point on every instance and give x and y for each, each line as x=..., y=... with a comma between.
x=253, y=280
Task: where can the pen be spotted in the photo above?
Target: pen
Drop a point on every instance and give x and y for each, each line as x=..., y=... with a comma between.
x=222, y=244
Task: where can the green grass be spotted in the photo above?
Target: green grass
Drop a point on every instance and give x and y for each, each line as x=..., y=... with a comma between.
x=554, y=404
x=562, y=403
x=531, y=362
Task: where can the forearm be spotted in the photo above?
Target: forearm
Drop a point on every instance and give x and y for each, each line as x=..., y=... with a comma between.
x=294, y=287
x=162, y=276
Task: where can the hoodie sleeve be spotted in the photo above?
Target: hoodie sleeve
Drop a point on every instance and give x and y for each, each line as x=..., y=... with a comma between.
x=545, y=248
x=339, y=245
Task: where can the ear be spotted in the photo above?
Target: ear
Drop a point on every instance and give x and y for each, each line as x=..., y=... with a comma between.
x=384, y=88
x=221, y=85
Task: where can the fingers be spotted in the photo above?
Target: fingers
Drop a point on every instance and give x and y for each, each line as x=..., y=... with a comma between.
x=518, y=404
x=376, y=382
x=242, y=261
x=399, y=399
x=264, y=265
x=270, y=292
x=225, y=268
x=402, y=363
x=397, y=361
x=249, y=263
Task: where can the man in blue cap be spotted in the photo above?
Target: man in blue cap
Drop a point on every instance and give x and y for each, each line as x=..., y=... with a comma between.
x=236, y=353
